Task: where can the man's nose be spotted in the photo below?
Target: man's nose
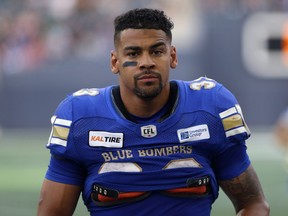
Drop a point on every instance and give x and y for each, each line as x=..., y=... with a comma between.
x=146, y=61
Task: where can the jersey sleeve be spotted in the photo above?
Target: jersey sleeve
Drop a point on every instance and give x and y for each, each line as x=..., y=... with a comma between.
x=232, y=158
x=61, y=122
x=231, y=161
x=231, y=115
x=64, y=166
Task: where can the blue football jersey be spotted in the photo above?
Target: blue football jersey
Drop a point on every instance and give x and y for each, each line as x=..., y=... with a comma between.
x=203, y=140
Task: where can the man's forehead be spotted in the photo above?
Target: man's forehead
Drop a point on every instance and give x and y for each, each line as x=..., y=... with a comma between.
x=142, y=34
x=142, y=37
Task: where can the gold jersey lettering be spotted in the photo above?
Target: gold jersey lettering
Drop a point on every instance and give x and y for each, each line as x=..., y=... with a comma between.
x=118, y=155
x=165, y=151
x=169, y=150
x=141, y=153
x=160, y=152
x=149, y=152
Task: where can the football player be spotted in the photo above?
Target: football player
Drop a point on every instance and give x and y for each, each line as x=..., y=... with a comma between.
x=150, y=145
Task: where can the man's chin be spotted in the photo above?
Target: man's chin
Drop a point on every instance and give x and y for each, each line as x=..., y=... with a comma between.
x=148, y=93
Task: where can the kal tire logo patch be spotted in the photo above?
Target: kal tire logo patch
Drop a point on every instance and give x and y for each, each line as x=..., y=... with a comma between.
x=105, y=139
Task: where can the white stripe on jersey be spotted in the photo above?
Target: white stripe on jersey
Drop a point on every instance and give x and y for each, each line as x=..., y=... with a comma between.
x=236, y=131
x=63, y=122
x=228, y=112
x=58, y=141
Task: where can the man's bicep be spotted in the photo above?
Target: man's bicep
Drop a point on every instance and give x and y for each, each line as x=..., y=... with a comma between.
x=244, y=189
x=58, y=198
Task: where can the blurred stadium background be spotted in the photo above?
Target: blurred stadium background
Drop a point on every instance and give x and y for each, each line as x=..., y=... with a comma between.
x=51, y=48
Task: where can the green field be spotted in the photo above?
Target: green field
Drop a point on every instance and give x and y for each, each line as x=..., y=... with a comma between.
x=24, y=159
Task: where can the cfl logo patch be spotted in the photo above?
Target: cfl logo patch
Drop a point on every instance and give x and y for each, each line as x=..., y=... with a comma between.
x=149, y=131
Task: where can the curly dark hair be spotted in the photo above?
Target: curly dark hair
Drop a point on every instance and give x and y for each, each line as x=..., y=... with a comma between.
x=143, y=18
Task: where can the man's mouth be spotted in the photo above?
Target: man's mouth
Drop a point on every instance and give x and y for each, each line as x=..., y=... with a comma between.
x=148, y=77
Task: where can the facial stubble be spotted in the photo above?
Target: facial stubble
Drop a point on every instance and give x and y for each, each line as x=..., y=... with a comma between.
x=142, y=92
x=148, y=93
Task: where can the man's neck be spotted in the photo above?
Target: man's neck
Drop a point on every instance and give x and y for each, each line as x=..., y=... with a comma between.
x=146, y=108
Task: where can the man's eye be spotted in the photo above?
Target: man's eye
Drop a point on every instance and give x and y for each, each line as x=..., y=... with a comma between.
x=157, y=52
x=132, y=54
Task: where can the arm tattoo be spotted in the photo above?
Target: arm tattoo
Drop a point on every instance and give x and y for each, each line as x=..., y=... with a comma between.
x=244, y=189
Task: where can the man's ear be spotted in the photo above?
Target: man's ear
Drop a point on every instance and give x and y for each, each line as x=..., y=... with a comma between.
x=114, y=63
x=173, y=57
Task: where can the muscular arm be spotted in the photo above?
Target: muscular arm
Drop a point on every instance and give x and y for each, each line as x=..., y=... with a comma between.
x=246, y=194
x=57, y=199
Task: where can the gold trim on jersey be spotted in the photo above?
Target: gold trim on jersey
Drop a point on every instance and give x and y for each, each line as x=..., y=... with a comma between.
x=180, y=163
x=60, y=132
x=119, y=167
x=232, y=122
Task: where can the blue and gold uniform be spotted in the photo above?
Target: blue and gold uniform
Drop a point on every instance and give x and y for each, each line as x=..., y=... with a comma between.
x=167, y=164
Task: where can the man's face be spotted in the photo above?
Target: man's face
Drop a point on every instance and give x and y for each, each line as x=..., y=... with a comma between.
x=143, y=59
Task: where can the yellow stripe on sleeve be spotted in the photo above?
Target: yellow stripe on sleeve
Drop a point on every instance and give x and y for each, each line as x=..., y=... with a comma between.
x=232, y=122
x=60, y=132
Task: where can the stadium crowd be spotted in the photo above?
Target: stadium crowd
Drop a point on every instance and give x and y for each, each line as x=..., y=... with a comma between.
x=33, y=31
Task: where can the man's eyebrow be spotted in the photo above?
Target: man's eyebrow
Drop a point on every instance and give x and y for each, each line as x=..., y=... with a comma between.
x=157, y=45
x=135, y=48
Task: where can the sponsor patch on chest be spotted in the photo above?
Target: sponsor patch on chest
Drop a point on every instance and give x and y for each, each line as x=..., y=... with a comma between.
x=105, y=139
x=199, y=132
